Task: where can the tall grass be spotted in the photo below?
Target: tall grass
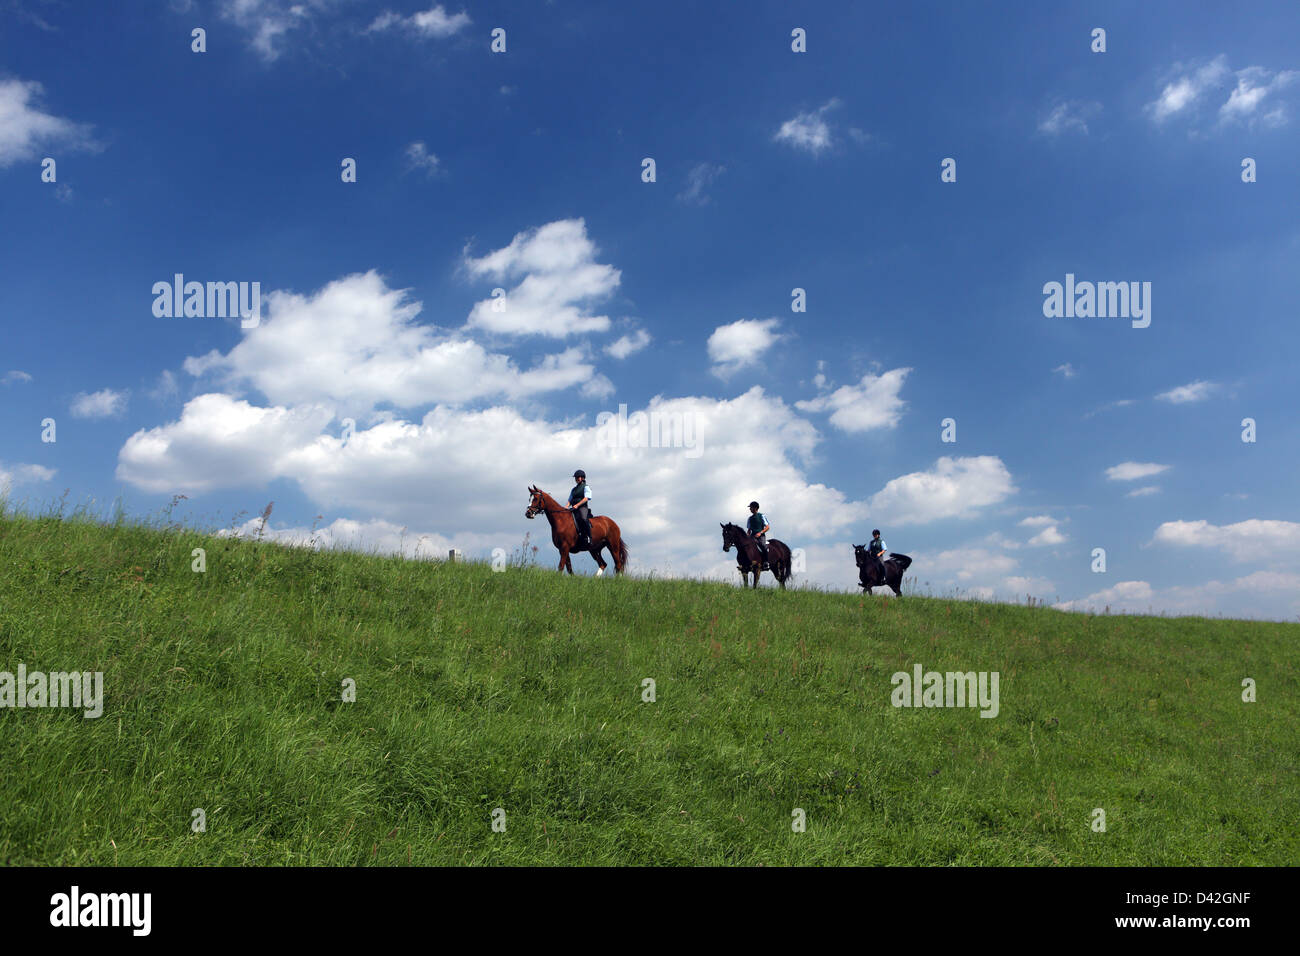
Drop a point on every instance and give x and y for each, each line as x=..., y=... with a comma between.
x=522, y=690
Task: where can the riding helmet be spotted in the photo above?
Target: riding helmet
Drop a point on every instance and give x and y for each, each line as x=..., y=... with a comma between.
x=580, y=474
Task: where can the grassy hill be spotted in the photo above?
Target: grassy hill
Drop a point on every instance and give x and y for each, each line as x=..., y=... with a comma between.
x=523, y=690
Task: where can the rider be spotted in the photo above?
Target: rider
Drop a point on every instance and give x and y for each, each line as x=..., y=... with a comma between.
x=758, y=527
x=579, y=499
x=876, y=549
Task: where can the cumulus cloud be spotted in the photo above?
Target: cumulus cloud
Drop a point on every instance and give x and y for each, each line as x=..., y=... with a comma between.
x=1191, y=392
x=808, y=131
x=952, y=488
x=558, y=279
x=20, y=474
x=740, y=344
x=105, y=403
x=26, y=129
x=413, y=473
x=626, y=345
x=356, y=343
x=1133, y=470
x=1264, y=594
x=1254, y=539
x=872, y=403
x=1051, y=535
x=1126, y=595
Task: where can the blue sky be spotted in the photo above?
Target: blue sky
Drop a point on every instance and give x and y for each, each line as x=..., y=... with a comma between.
x=774, y=170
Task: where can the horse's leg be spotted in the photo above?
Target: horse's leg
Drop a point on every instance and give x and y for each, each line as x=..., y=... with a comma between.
x=595, y=553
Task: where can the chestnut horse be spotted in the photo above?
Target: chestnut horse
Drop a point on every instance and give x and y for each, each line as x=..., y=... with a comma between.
x=564, y=532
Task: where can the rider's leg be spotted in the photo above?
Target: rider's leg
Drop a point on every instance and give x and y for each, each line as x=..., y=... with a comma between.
x=583, y=517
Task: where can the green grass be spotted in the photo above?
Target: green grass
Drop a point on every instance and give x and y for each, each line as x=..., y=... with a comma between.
x=522, y=690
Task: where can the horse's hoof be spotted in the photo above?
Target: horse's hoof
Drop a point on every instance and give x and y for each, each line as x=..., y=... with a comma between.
x=599, y=572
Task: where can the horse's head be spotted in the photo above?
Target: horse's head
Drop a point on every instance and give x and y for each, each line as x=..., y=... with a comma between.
x=859, y=553
x=535, y=504
x=729, y=535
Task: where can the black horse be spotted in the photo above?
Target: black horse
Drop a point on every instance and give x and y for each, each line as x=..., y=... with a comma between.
x=869, y=575
x=749, y=558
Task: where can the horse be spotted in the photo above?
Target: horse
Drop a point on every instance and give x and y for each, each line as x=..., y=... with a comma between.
x=564, y=532
x=869, y=571
x=748, y=557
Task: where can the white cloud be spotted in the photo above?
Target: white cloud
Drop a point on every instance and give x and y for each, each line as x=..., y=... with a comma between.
x=953, y=488
x=1066, y=371
x=266, y=21
x=1191, y=392
x=1183, y=91
x=873, y=403
x=740, y=344
x=1143, y=491
x=626, y=345
x=1254, y=85
x=1037, y=521
x=1126, y=595
x=434, y=23
x=20, y=474
x=25, y=129
x=698, y=179
x=808, y=131
x=1069, y=116
x=1270, y=595
x=356, y=343
x=418, y=157
x=167, y=387
x=1252, y=91
x=1255, y=539
x=559, y=278
x=1051, y=535
x=105, y=403
x=393, y=470
x=1132, y=470
x=15, y=377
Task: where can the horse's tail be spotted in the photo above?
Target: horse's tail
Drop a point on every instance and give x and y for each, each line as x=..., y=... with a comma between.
x=904, y=562
x=781, y=566
x=622, y=552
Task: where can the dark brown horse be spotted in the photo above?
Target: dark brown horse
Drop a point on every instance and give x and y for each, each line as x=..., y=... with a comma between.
x=749, y=559
x=869, y=575
x=564, y=532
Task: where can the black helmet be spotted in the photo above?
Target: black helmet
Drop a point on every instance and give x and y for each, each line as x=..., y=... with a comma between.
x=875, y=532
x=580, y=474
x=753, y=504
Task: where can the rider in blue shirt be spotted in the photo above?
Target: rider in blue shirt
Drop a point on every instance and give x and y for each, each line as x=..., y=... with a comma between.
x=876, y=549
x=758, y=527
x=579, y=500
